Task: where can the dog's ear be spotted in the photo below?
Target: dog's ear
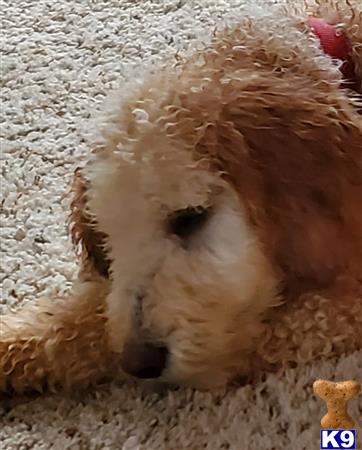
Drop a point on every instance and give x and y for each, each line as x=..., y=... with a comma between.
x=87, y=240
x=298, y=172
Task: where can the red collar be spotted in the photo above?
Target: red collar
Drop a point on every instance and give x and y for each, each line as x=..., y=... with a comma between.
x=337, y=45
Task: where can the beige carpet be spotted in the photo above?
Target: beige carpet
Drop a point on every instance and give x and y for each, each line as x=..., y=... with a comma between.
x=60, y=58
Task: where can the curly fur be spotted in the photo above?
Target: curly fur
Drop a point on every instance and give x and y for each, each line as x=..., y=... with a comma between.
x=258, y=127
x=87, y=241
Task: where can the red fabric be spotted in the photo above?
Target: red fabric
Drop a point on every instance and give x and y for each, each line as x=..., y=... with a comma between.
x=335, y=44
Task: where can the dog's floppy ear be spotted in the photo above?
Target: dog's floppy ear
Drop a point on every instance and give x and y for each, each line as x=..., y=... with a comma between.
x=298, y=171
x=87, y=240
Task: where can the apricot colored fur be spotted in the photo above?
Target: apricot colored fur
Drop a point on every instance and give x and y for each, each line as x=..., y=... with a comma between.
x=263, y=107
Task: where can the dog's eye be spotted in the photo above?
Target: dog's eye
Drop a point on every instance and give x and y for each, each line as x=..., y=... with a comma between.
x=184, y=222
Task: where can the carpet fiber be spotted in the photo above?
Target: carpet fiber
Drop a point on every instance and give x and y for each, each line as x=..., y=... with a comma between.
x=59, y=59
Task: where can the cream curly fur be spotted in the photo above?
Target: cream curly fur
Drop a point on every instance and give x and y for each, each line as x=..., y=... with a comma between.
x=257, y=128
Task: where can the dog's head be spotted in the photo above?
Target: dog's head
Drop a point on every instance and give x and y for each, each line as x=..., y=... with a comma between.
x=213, y=182
x=189, y=277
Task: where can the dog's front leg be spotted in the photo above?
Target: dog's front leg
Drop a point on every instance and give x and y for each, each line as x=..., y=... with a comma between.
x=56, y=344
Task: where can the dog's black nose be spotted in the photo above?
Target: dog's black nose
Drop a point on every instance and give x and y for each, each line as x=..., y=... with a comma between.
x=143, y=359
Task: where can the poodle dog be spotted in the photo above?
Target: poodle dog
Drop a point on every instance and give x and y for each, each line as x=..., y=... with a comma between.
x=219, y=222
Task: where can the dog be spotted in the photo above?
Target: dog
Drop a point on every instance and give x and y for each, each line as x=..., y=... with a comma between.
x=218, y=224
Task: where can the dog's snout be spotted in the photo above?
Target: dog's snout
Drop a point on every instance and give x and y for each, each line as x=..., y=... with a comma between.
x=143, y=359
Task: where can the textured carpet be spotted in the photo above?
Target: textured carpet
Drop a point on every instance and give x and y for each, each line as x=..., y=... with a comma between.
x=59, y=59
